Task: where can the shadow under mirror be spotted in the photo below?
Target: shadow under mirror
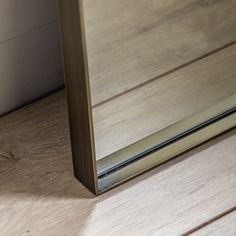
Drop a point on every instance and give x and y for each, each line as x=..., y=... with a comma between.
x=159, y=71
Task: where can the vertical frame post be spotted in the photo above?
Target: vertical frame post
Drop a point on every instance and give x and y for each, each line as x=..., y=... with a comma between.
x=78, y=92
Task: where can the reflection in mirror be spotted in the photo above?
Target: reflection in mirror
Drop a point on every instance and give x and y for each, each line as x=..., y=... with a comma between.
x=154, y=63
x=146, y=81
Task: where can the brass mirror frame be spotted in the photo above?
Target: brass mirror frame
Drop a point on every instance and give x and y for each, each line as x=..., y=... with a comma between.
x=99, y=176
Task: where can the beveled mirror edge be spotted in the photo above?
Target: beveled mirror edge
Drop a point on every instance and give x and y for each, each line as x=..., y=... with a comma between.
x=166, y=153
x=80, y=115
x=167, y=134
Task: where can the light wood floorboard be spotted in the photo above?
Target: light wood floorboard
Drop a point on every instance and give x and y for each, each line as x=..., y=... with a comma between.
x=130, y=42
x=224, y=226
x=154, y=63
x=38, y=193
x=162, y=102
x=40, y=196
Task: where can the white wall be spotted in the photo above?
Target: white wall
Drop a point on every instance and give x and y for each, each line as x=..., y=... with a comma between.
x=30, y=60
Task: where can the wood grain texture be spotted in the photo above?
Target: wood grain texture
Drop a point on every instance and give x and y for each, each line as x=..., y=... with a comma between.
x=150, y=64
x=130, y=42
x=223, y=226
x=162, y=102
x=40, y=196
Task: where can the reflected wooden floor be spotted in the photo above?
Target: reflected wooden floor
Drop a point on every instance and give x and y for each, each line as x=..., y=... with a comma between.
x=153, y=63
x=192, y=67
x=160, y=103
x=40, y=196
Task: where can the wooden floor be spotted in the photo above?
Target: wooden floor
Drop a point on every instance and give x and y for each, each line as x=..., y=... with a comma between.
x=188, y=67
x=153, y=63
x=39, y=195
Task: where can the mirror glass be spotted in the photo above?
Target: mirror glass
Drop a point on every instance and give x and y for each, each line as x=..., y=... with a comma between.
x=155, y=63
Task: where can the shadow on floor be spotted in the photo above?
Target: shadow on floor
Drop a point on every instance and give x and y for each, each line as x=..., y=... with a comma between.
x=36, y=163
x=35, y=153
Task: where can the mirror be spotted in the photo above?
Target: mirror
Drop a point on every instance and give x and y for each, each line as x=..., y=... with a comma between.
x=146, y=81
